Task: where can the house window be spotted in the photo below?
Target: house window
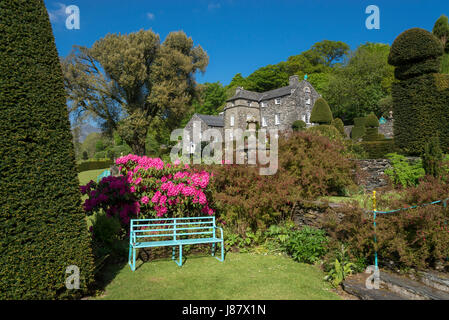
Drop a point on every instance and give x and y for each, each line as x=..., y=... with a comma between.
x=277, y=101
x=264, y=104
x=304, y=118
x=308, y=101
x=232, y=121
x=307, y=89
x=307, y=118
x=249, y=103
x=231, y=104
x=248, y=116
x=264, y=122
x=277, y=119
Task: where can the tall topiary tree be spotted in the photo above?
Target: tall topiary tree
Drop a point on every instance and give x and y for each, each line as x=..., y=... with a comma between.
x=420, y=97
x=42, y=224
x=441, y=29
x=321, y=112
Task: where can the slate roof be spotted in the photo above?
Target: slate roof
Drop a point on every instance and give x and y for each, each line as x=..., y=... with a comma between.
x=212, y=121
x=260, y=96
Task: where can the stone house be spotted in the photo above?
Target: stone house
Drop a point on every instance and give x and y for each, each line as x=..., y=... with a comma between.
x=274, y=109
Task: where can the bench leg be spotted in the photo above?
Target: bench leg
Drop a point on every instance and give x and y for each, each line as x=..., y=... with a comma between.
x=173, y=253
x=132, y=254
x=213, y=249
x=222, y=252
x=180, y=257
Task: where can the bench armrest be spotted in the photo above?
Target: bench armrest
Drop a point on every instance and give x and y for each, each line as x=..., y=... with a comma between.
x=221, y=230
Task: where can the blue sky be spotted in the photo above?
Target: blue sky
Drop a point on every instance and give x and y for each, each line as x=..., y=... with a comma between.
x=241, y=36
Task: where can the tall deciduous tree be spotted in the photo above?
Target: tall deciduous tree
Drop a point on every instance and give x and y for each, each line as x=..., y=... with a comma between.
x=126, y=81
x=43, y=228
x=441, y=30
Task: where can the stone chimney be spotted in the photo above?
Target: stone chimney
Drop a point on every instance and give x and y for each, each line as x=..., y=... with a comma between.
x=293, y=80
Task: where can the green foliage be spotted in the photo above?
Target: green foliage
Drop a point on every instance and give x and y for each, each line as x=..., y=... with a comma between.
x=307, y=245
x=371, y=121
x=321, y=113
x=421, y=111
x=93, y=165
x=41, y=221
x=340, y=268
x=328, y=131
x=338, y=124
x=378, y=149
x=85, y=155
x=299, y=125
x=445, y=63
x=356, y=88
x=441, y=30
x=403, y=172
x=415, y=52
x=432, y=158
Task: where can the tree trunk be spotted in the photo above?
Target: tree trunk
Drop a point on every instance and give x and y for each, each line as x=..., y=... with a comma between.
x=138, y=148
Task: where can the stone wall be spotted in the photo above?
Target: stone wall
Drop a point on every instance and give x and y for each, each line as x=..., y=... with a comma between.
x=373, y=173
x=387, y=129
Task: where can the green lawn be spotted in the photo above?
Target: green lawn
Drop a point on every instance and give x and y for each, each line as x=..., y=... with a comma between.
x=86, y=176
x=240, y=276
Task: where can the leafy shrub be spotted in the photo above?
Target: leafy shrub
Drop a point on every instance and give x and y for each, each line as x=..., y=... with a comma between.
x=403, y=172
x=245, y=199
x=320, y=167
x=42, y=227
x=416, y=238
x=378, y=149
x=151, y=188
x=321, y=112
x=338, y=123
x=372, y=129
x=339, y=268
x=358, y=131
x=299, y=125
x=306, y=245
x=433, y=157
x=328, y=131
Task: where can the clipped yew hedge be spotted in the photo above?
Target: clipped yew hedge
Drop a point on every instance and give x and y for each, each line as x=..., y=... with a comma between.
x=43, y=228
x=321, y=112
x=378, y=149
x=94, y=165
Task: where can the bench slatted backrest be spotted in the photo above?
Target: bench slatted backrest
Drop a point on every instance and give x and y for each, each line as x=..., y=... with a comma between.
x=163, y=229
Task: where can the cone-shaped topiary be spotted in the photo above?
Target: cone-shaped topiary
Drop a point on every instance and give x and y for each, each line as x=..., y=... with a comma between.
x=42, y=224
x=321, y=113
x=371, y=121
x=359, y=129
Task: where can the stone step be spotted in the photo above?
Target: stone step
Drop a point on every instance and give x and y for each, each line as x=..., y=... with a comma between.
x=410, y=289
x=436, y=280
x=358, y=289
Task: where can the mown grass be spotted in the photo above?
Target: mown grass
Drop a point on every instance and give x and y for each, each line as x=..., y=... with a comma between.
x=86, y=176
x=241, y=276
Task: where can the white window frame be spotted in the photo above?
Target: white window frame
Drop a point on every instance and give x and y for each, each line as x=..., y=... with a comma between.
x=264, y=122
x=308, y=101
x=277, y=101
x=231, y=120
x=264, y=104
x=277, y=119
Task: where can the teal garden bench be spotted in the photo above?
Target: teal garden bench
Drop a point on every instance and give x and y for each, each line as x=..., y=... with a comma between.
x=174, y=232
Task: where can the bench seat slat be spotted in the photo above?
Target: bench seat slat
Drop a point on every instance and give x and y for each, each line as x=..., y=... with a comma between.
x=175, y=242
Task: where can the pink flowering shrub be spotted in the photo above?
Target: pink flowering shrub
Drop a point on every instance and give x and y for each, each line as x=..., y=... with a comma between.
x=149, y=188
